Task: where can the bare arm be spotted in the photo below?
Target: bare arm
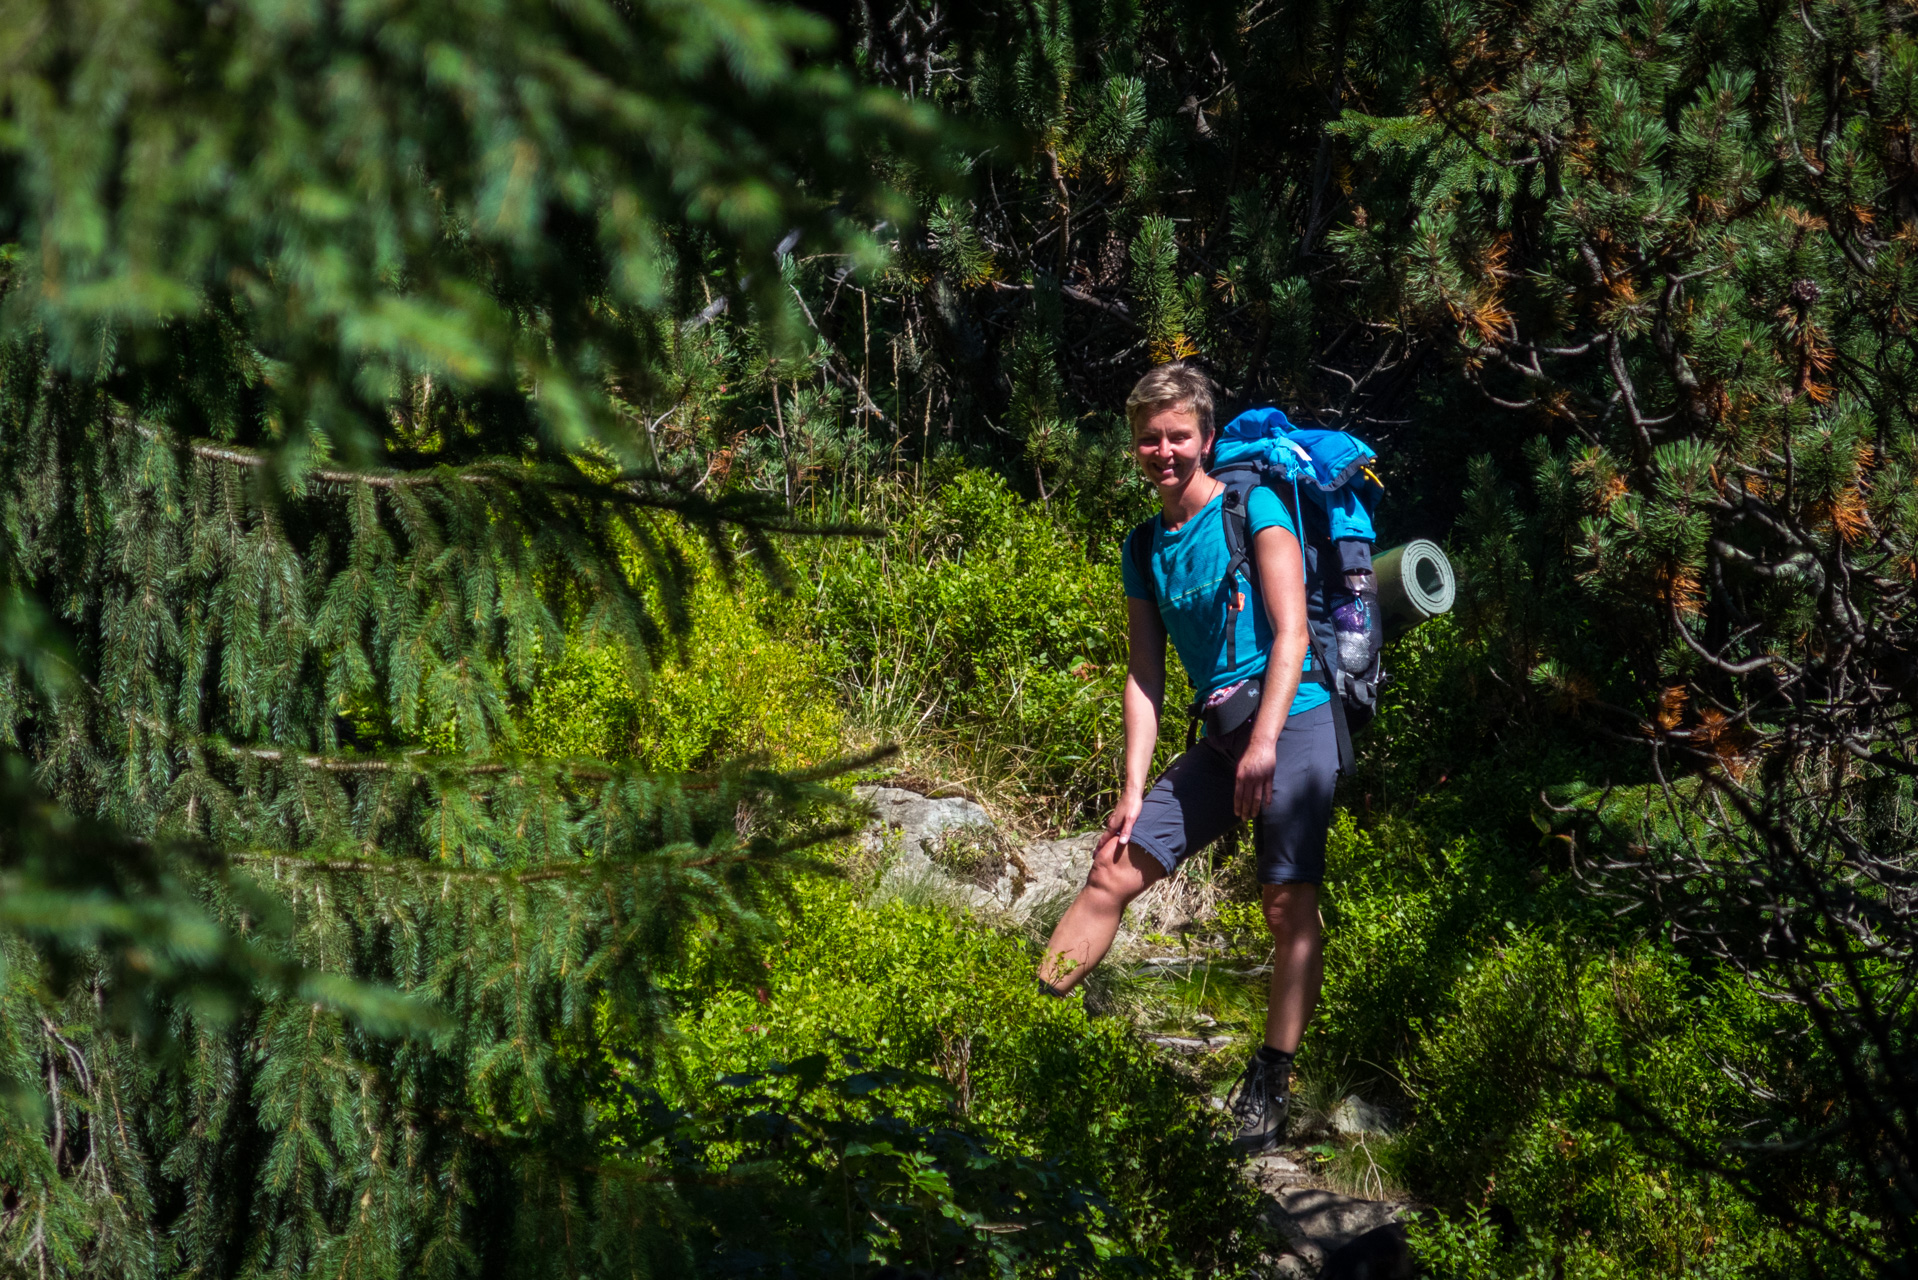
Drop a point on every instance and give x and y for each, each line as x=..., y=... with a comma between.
x=1144, y=695
x=1282, y=586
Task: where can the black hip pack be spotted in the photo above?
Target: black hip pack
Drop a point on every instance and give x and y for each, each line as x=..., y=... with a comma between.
x=1230, y=714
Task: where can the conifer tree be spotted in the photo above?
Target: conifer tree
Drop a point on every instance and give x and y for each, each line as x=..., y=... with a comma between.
x=1148, y=182
x=1673, y=248
x=320, y=329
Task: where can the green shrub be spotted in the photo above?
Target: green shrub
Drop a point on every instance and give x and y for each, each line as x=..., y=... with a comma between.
x=1401, y=918
x=1471, y=983
x=1532, y=1091
x=734, y=687
x=979, y=628
x=917, y=989
x=807, y=1170
x=1472, y=1247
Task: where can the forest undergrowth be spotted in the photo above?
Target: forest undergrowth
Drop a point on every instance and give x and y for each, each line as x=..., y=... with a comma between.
x=1516, y=1034
x=479, y=485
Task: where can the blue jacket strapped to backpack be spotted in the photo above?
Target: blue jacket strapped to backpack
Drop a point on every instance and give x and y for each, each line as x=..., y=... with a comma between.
x=1332, y=468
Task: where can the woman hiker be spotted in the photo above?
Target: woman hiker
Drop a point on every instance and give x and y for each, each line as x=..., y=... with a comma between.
x=1276, y=768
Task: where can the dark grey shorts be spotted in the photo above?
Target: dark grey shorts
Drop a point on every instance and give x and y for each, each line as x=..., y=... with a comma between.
x=1190, y=806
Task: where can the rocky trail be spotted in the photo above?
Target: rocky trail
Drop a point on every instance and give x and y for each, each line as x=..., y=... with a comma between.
x=1328, y=1234
x=945, y=842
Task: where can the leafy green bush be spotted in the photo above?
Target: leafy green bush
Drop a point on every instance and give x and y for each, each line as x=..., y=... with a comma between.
x=1533, y=1085
x=1468, y=983
x=980, y=628
x=807, y=1170
x=922, y=991
x=1525, y=1033
x=1471, y=1246
x=734, y=687
x=1402, y=919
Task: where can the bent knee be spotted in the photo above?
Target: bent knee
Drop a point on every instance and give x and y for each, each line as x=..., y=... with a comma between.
x=1121, y=880
x=1290, y=908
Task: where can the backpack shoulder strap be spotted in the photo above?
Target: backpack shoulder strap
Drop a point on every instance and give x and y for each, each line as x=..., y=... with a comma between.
x=1341, y=729
x=1238, y=550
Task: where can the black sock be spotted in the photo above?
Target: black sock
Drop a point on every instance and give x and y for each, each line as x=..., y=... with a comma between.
x=1047, y=989
x=1274, y=1057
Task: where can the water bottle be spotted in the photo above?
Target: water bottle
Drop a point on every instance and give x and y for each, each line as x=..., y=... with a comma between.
x=1352, y=625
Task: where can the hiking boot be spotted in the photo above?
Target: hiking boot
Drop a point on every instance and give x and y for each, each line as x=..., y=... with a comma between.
x=1261, y=1101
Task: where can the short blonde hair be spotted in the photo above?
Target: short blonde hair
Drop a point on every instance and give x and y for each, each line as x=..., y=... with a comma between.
x=1175, y=385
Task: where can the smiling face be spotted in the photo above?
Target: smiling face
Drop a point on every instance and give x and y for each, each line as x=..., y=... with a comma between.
x=1170, y=447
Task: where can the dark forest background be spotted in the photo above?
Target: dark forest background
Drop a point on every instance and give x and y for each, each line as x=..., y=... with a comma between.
x=477, y=482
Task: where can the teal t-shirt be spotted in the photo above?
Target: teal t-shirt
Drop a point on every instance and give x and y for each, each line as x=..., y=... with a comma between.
x=1188, y=566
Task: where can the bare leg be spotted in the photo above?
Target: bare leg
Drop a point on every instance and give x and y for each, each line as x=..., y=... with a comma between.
x=1298, y=961
x=1119, y=874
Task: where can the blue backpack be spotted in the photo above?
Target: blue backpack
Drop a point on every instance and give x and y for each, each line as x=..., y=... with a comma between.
x=1324, y=478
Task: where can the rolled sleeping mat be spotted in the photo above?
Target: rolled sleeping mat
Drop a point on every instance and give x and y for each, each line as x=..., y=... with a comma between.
x=1415, y=582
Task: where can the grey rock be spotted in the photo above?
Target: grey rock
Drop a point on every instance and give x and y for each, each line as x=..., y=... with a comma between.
x=1058, y=867
x=916, y=822
x=1355, y=1116
x=916, y=826
x=1045, y=870
x=1319, y=1223
x=918, y=819
x=1190, y=1044
x=1279, y=1168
